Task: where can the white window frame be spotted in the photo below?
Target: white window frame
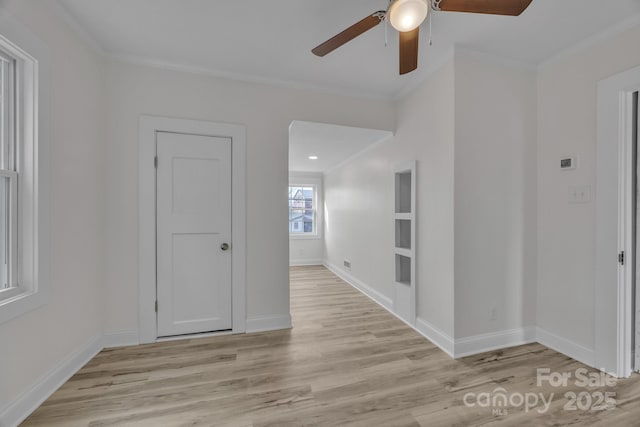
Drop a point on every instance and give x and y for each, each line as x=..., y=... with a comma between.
x=314, y=181
x=314, y=232
x=9, y=172
x=29, y=181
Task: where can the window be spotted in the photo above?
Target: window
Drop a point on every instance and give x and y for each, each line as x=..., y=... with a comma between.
x=23, y=172
x=302, y=209
x=8, y=178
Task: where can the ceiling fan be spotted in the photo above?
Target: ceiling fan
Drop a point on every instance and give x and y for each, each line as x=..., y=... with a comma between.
x=406, y=17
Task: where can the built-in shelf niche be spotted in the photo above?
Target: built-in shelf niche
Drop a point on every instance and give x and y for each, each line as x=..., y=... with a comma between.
x=403, y=233
x=403, y=192
x=403, y=269
x=405, y=241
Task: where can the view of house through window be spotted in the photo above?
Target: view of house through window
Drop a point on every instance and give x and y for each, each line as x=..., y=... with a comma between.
x=301, y=209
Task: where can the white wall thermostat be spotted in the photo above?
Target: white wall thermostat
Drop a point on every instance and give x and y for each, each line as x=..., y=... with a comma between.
x=568, y=163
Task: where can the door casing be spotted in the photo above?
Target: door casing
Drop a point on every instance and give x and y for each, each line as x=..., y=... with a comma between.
x=614, y=218
x=148, y=127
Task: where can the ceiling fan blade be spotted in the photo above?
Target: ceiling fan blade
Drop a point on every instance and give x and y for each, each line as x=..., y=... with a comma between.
x=349, y=34
x=493, y=7
x=409, y=50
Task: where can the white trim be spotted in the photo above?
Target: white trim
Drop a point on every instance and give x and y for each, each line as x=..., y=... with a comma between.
x=317, y=203
x=305, y=236
x=120, y=339
x=194, y=336
x=476, y=344
x=494, y=59
x=305, y=261
x=494, y=341
x=604, y=35
x=80, y=30
x=149, y=125
x=244, y=78
x=382, y=300
x=387, y=137
x=410, y=253
x=614, y=211
x=34, y=217
x=424, y=328
x=16, y=411
x=438, y=337
x=626, y=212
x=566, y=347
x=268, y=323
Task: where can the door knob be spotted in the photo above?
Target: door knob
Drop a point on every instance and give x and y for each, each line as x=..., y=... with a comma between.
x=224, y=246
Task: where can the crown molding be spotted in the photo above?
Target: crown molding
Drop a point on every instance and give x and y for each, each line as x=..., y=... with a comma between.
x=80, y=30
x=245, y=78
x=606, y=34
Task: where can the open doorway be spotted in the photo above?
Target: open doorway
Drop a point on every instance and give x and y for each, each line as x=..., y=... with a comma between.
x=315, y=150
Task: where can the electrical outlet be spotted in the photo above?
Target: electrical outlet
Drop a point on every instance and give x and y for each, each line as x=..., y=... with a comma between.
x=347, y=264
x=493, y=313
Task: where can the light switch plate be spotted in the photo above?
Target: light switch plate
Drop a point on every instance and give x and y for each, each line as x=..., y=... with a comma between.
x=580, y=194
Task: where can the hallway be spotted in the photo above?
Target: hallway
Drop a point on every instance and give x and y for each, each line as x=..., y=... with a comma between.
x=346, y=362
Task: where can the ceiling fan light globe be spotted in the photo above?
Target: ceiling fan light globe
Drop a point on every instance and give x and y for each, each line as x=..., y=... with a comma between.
x=407, y=15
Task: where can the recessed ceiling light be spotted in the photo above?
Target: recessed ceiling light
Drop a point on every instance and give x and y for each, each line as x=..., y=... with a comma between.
x=313, y=157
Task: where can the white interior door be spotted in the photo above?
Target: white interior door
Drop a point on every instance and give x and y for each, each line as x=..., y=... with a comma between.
x=193, y=233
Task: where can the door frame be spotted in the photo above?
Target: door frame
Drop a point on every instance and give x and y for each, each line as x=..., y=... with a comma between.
x=614, y=224
x=147, y=273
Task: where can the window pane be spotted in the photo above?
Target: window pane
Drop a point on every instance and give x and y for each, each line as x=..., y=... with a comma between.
x=301, y=209
x=7, y=112
x=4, y=112
x=4, y=232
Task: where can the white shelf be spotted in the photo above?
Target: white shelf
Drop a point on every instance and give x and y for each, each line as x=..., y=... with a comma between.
x=408, y=216
x=404, y=252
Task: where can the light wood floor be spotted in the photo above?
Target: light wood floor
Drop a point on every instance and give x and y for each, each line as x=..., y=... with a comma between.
x=346, y=362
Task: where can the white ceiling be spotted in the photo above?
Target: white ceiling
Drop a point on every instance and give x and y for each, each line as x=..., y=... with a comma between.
x=332, y=144
x=271, y=40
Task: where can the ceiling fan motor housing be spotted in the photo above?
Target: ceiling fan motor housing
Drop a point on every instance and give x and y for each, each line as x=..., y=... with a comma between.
x=407, y=15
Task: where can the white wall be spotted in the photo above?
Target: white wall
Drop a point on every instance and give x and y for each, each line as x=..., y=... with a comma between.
x=495, y=195
x=309, y=250
x=472, y=129
x=359, y=202
x=36, y=343
x=566, y=232
x=266, y=111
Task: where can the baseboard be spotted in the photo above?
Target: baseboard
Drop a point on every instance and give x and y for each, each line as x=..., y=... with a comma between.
x=494, y=341
x=16, y=412
x=303, y=262
x=376, y=296
x=479, y=343
x=436, y=336
x=268, y=323
x=565, y=346
x=424, y=328
x=120, y=339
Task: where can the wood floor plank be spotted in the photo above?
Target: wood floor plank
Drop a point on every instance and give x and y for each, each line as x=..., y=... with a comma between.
x=346, y=362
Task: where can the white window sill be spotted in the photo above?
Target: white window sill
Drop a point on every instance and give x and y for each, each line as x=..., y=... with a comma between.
x=304, y=236
x=21, y=304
